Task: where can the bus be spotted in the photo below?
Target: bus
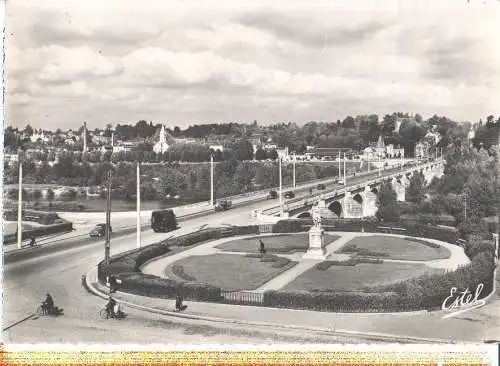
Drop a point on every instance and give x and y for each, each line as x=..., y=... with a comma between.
x=163, y=221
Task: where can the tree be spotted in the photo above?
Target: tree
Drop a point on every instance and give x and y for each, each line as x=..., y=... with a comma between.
x=415, y=192
x=387, y=204
x=273, y=154
x=28, y=130
x=243, y=150
x=348, y=122
x=260, y=154
x=388, y=124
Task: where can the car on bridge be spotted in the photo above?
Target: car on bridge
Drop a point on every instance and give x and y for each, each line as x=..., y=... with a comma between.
x=289, y=194
x=272, y=195
x=223, y=205
x=99, y=231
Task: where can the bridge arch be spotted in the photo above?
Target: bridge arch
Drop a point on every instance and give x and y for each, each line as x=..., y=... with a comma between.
x=304, y=215
x=336, y=208
x=358, y=198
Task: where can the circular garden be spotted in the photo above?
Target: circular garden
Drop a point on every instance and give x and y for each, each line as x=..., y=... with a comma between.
x=360, y=264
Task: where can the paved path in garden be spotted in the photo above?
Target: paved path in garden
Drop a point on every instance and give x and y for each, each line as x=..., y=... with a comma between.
x=158, y=266
x=305, y=264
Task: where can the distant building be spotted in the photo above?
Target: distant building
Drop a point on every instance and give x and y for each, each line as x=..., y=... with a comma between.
x=161, y=146
x=421, y=149
x=216, y=148
x=330, y=152
x=39, y=137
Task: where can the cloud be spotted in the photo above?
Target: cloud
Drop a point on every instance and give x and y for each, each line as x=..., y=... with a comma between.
x=185, y=62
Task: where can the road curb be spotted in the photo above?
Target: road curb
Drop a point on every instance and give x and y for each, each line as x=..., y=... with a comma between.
x=330, y=331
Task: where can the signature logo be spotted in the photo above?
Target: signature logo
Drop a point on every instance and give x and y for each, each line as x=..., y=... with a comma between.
x=460, y=302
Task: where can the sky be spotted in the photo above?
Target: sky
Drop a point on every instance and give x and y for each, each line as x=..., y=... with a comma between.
x=188, y=62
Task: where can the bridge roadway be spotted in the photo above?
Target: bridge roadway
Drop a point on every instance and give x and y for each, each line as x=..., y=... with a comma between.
x=59, y=272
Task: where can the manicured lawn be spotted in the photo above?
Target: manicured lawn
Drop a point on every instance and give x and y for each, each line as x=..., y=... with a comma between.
x=285, y=243
x=11, y=227
x=358, y=277
x=395, y=248
x=231, y=271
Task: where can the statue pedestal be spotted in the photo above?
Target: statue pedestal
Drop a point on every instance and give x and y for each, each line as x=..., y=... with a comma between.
x=316, y=248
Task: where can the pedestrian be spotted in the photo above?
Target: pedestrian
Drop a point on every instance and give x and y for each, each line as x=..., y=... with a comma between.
x=262, y=249
x=32, y=242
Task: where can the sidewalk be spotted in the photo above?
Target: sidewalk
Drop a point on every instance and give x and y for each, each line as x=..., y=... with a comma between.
x=421, y=327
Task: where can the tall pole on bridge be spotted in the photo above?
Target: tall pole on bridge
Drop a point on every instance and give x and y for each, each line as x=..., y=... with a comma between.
x=20, y=203
x=379, y=165
x=345, y=175
x=108, y=218
x=138, y=205
x=340, y=171
x=281, y=196
x=212, y=180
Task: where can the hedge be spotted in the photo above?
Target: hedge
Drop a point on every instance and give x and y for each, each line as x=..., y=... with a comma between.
x=40, y=231
x=338, y=301
x=424, y=292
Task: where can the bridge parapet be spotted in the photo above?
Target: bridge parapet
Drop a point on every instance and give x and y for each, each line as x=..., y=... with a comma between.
x=399, y=179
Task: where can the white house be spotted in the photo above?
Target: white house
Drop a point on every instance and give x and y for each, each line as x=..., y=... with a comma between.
x=39, y=137
x=216, y=148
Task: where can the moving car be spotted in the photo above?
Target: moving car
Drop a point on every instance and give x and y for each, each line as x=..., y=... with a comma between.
x=272, y=195
x=99, y=231
x=163, y=221
x=321, y=187
x=223, y=205
x=289, y=194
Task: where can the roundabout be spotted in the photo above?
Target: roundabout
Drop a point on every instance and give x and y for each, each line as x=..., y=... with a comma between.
x=353, y=263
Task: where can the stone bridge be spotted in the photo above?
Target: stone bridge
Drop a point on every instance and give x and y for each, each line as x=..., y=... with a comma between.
x=360, y=199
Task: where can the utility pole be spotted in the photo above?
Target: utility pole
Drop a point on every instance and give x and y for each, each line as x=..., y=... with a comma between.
x=138, y=205
x=465, y=207
x=108, y=218
x=340, y=172
x=281, y=196
x=379, y=165
x=293, y=170
x=345, y=175
x=211, y=180
x=20, y=204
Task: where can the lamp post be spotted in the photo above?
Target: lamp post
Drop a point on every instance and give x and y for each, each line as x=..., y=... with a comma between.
x=293, y=170
x=280, y=178
x=138, y=205
x=345, y=175
x=108, y=217
x=211, y=179
x=20, y=202
x=340, y=171
x=379, y=164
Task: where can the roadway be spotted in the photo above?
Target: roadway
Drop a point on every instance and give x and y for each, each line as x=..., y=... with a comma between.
x=59, y=272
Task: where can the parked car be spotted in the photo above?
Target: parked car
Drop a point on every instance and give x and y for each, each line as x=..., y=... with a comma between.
x=223, y=205
x=163, y=221
x=321, y=187
x=289, y=194
x=99, y=231
x=272, y=195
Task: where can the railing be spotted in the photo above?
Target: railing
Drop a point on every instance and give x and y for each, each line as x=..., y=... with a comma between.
x=243, y=297
x=299, y=202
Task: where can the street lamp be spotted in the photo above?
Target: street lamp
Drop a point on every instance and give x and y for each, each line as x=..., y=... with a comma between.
x=20, y=155
x=293, y=170
x=211, y=179
x=138, y=204
x=345, y=175
x=280, y=178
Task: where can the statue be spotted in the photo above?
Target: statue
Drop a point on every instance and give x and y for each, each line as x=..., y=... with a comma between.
x=316, y=215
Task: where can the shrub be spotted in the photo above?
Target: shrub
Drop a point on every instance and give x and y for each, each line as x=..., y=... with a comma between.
x=424, y=242
x=178, y=270
x=281, y=262
x=338, y=301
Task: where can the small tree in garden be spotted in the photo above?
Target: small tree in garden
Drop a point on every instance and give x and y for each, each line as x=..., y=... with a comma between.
x=387, y=204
